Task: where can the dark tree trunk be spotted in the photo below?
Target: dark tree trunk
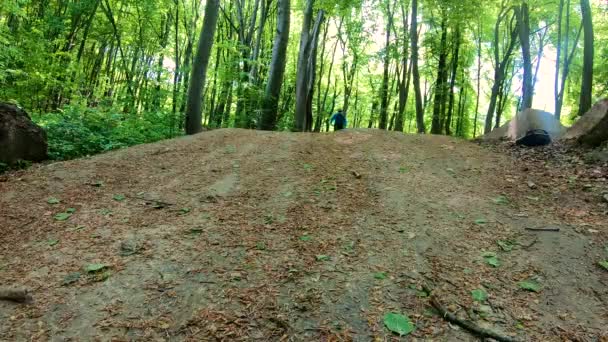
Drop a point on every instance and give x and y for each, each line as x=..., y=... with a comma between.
x=415, y=71
x=277, y=68
x=584, y=103
x=305, y=68
x=523, y=19
x=199, y=69
x=440, y=83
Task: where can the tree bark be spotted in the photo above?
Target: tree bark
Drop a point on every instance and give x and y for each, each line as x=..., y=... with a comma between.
x=587, y=81
x=277, y=68
x=523, y=20
x=442, y=76
x=455, y=56
x=199, y=69
x=305, y=68
x=415, y=71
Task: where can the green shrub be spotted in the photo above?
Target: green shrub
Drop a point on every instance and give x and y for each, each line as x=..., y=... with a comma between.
x=77, y=131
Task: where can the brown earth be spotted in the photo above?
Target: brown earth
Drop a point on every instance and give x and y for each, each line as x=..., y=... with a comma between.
x=244, y=235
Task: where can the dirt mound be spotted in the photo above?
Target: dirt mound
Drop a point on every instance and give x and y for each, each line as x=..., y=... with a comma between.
x=530, y=120
x=20, y=138
x=245, y=235
x=592, y=128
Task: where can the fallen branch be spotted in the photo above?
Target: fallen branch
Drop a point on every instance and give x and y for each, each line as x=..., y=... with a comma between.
x=15, y=295
x=468, y=325
x=543, y=229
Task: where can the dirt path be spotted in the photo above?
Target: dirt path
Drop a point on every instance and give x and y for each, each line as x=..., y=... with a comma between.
x=244, y=235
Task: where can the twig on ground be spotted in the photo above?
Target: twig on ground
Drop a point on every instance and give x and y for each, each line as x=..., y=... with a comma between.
x=15, y=295
x=356, y=174
x=468, y=325
x=543, y=229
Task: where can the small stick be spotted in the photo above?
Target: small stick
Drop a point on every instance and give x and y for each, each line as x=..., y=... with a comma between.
x=14, y=295
x=468, y=325
x=543, y=229
x=356, y=174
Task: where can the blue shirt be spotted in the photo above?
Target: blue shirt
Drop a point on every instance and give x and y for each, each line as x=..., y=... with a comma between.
x=338, y=118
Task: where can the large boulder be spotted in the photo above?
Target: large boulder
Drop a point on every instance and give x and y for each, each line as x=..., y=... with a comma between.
x=592, y=128
x=532, y=127
x=20, y=138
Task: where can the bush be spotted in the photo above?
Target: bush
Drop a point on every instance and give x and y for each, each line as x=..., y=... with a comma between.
x=77, y=132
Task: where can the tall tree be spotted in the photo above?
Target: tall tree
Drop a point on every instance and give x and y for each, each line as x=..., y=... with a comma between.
x=523, y=23
x=306, y=68
x=415, y=70
x=584, y=103
x=277, y=67
x=199, y=69
x=501, y=60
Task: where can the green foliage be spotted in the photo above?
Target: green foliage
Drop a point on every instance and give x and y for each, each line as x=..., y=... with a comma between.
x=479, y=295
x=530, y=285
x=399, y=324
x=77, y=132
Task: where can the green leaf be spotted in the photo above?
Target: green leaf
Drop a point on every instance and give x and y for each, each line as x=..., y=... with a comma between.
x=505, y=245
x=53, y=200
x=604, y=264
x=481, y=221
x=307, y=167
x=184, y=211
x=92, y=268
x=403, y=169
x=70, y=278
x=119, y=198
x=70, y=210
x=491, y=259
x=479, y=295
x=398, y=323
x=260, y=246
x=305, y=238
x=62, y=216
x=53, y=242
x=501, y=200
x=322, y=257
x=380, y=275
x=530, y=285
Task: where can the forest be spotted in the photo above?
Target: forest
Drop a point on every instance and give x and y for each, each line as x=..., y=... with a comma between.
x=174, y=170
x=104, y=74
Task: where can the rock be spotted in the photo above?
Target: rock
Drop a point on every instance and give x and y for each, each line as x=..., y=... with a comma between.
x=531, y=185
x=592, y=128
x=531, y=127
x=605, y=198
x=20, y=138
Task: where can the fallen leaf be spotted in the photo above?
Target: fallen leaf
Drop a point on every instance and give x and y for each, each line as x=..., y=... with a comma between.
x=398, y=323
x=479, y=295
x=530, y=285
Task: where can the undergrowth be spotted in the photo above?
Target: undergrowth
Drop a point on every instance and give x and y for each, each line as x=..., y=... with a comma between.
x=80, y=131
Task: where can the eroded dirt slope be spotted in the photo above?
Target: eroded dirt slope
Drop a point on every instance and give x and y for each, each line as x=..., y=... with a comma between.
x=245, y=235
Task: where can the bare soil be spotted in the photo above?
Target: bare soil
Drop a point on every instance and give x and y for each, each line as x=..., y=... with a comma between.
x=242, y=235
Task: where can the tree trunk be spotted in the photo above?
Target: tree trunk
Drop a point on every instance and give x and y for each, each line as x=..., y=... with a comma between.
x=277, y=68
x=442, y=75
x=478, y=78
x=523, y=20
x=305, y=68
x=587, y=82
x=199, y=69
x=453, y=81
x=385, y=74
x=500, y=67
x=415, y=71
